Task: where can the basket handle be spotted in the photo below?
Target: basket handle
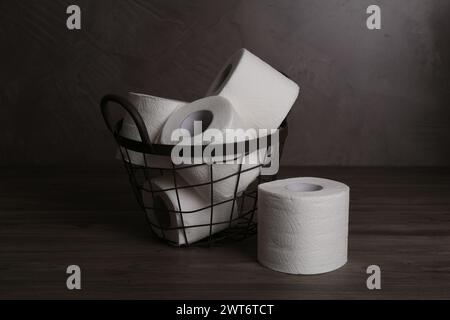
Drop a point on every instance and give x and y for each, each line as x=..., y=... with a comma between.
x=128, y=106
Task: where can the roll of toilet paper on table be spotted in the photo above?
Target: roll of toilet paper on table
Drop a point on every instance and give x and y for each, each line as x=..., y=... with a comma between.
x=303, y=225
x=165, y=201
x=215, y=113
x=154, y=111
x=261, y=95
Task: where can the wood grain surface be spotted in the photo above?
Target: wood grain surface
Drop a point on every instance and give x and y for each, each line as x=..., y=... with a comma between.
x=54, y=217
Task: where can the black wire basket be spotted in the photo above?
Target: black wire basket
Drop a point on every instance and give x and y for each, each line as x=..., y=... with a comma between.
x=233, y=218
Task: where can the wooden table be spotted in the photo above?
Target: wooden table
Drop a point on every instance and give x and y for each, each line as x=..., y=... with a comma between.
x=51, y=218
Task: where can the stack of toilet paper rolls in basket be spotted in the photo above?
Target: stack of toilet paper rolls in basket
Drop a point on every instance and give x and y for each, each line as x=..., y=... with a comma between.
x=247, y=94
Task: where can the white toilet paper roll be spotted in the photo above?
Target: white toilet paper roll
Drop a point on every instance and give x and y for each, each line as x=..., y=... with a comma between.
x=155, y=112
x=261, y=95
x=216, y=113
x=165, y=202
x=303, y=225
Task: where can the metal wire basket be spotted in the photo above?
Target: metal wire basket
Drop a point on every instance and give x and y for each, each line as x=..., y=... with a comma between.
x=240, y=219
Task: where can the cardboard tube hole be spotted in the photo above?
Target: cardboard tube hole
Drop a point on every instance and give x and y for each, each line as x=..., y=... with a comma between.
x=303, y=187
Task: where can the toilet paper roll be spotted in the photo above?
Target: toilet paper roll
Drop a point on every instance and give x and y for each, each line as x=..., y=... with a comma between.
x=154, y=111
x=165, y=202
x=261, y=95
x=303, y=225
x=137, y=158
x=216, y=113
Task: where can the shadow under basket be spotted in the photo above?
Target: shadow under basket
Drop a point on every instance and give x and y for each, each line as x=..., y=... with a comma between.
x=213, y=220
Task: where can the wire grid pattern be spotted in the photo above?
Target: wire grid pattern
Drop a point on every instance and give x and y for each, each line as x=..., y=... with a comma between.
x=241, y=222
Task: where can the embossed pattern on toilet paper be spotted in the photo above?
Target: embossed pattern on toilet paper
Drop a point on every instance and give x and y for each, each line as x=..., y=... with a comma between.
x=303, y=232
x=154, y=111
x=190, y=201
x=261, y=95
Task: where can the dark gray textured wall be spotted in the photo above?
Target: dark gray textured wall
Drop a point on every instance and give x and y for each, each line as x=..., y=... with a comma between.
x=367, y=97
